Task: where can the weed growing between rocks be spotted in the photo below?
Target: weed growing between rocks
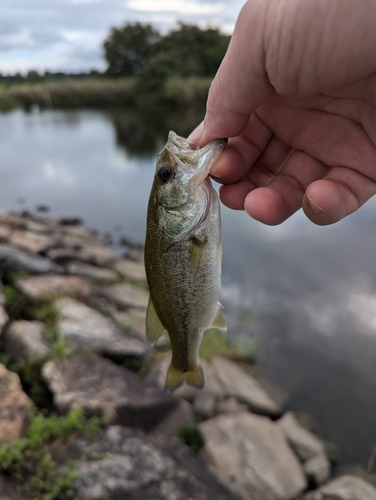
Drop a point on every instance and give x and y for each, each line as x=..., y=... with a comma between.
x=19, y=307
x=190, y=436
x=30, y=462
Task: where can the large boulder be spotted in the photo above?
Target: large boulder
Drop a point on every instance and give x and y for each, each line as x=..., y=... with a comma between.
x=133, y=466
x=308, y=447
x=90, y=329
x=38, y=287
x=14, y=406
x=103, y=388
x=125, y=295
x=344, y=488
x=34, y=242
x=92, y=272
x=13, y=260
x=131, y=269
x=26, y=339
x=305, y=444
x=249, y=454
x=244, y=387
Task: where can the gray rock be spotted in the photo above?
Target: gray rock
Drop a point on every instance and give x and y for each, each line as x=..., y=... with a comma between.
x=230, y=405
x=5, y=232
x=25, y=339
x=45, y=227
x=103, y=388
x=139, y=467
x=4, y=318
x=135, y=254
x=344, y=488
x=212, y=386
x=62, y=255
x=250, y=455
x=14, y=407
x=132, y=269
x=92, y=272
x=98, y=254
x=133, y=318
x=205, y=404
x=7, y=490
x=31, y=241
x=125, y=296
x=13, y=220
x=182, y=415
x=37, y=287
x=90, y=329
x=13, y=259
x=317, y=469
x=223, y=379
x=305, y=444
x=244, y=387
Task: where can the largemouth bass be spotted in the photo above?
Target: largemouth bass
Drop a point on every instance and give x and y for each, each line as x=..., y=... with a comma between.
x=183, y=255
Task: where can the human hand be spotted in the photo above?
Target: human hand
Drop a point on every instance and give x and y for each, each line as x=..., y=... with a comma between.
x=296, y=96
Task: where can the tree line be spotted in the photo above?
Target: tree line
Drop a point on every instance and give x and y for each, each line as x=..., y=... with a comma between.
x=138, y=49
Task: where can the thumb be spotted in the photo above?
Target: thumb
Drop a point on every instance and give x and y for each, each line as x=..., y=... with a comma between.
x=240, y=85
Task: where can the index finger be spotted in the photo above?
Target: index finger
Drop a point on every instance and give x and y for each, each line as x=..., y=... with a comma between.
x=241, y=83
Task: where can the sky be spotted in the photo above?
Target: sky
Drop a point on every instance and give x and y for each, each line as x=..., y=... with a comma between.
x=67, y=35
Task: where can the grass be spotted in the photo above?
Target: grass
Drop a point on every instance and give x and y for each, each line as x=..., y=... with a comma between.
x=30, y=462
x=20, y=307
x=191, y=437
x=70, y=93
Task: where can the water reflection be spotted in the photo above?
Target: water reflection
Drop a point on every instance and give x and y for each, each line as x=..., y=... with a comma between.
x=145, y=131
x=305, y=295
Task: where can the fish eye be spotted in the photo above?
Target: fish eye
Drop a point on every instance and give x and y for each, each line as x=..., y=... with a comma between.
x=165, y=173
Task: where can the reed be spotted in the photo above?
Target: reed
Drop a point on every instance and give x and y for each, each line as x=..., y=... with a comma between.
x=103, y=93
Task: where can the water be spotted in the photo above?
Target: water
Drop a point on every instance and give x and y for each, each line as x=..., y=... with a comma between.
x=305, y=295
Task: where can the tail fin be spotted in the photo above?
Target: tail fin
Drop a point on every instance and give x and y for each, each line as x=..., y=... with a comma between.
x=175, y=378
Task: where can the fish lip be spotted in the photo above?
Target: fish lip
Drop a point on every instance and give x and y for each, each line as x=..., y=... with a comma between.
x=196, y=160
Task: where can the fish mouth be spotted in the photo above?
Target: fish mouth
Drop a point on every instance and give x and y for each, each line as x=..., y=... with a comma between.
x=199, y=161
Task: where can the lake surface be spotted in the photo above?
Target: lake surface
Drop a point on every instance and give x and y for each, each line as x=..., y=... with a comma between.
x=304, y=295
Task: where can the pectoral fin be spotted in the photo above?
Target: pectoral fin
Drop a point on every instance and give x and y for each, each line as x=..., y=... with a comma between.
x=154, y=327
x=218, y=321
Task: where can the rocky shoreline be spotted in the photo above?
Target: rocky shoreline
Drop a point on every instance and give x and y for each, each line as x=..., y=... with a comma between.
x=72, y=323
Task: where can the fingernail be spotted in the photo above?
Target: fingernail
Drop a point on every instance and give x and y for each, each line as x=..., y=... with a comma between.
x=195, y=136
x=315, y=207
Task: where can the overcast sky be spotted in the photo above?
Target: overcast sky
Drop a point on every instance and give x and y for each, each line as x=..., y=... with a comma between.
x=67, y=35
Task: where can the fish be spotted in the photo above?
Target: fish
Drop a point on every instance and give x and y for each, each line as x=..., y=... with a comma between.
x=183, y=255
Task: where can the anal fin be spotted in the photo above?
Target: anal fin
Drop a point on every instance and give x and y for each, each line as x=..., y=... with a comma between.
x=154, y=327
x=218, y=321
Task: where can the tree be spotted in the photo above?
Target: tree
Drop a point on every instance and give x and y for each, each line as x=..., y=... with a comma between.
x=128, y=49
x=194, y=51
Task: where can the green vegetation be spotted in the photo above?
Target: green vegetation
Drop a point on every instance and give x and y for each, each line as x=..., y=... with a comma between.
x=31, y=462
x=190, y=436
x=20, y=307
x=144, y=69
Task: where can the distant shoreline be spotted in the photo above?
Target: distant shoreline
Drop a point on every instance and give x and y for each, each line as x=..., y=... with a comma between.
x=104, y=93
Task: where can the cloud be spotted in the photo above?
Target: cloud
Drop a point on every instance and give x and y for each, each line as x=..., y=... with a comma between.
x=180, y=7
x=68, y=35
